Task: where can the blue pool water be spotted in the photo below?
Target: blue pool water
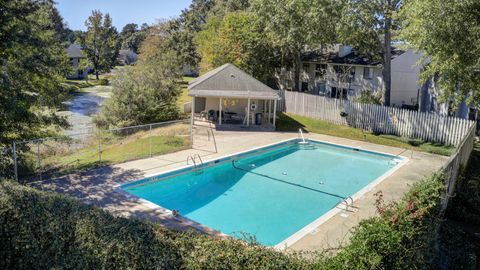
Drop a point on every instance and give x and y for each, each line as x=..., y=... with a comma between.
x=269, y=194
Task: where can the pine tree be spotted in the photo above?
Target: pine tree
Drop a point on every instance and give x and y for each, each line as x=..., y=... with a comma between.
x=33, y=64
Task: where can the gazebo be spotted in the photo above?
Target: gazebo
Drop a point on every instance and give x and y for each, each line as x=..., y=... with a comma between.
x=229, y=96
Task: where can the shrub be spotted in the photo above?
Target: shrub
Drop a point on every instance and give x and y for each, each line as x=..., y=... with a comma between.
x=402, y=237
x=142, y=94
x=44, y=231
x=369, y=97
x=103, y=81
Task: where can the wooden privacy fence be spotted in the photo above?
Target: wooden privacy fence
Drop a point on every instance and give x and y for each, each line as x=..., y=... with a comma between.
x=378, y=119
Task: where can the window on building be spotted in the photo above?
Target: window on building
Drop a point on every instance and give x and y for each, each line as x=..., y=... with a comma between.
x=333, y=92
x=367, y=73
x=352, y=73
x=321, y=89
x=344, y=94
x=339, y=70
x=322, y=68
x=305, y=87
x=472, y=114
x=339, y=93
x=320, y=71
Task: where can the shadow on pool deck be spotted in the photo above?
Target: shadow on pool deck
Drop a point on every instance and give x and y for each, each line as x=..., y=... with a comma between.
x=97, y=187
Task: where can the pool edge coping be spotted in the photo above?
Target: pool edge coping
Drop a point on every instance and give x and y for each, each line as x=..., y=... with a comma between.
x=181, y=219
x=293, y=238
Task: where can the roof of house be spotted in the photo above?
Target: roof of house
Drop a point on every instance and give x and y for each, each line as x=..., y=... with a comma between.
x=230, y=81
x=353, y=58
x=75, y=51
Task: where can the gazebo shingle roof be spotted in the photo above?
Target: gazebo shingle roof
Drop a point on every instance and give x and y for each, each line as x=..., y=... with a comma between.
x=230, y=81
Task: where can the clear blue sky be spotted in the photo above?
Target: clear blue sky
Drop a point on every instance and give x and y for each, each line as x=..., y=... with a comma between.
x=75, y=12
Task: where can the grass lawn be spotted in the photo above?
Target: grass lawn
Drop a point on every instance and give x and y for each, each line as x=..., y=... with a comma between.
x=121, y=152
x=81, y=83
x=115, y=148
x=92, y=81
x=289, y=122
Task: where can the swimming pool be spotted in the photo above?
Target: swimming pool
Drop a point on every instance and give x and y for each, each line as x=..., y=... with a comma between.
x=270, y=193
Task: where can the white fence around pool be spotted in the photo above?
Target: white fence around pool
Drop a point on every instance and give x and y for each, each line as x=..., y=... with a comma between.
x=378, y=119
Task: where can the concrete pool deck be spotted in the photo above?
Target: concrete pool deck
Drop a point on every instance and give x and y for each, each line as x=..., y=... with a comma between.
x=98, y=187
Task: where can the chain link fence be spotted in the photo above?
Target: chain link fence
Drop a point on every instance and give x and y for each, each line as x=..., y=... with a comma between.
x=38, y=159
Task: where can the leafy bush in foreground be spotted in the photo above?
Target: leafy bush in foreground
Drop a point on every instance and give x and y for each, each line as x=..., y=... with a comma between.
x=42, y=231
x=403, y=236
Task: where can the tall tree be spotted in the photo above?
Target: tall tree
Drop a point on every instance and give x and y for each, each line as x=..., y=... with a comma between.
x=238, y=38
x=131, y=36
x=368, y=26
x=134, y=41
x=33, y=64
x=291, y=25
x=156, y=41
x=147, y=92
x=184, y=29
x=100, y=42
x=129, y=29
x=448, y=33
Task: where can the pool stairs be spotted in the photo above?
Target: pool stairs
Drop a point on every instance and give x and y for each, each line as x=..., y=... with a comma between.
x=348, y=202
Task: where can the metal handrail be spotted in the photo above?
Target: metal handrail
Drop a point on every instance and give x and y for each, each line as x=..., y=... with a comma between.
x=351, y=199
x=214, y=140
x=347, y=205
x=193, y=160
x=199, y=157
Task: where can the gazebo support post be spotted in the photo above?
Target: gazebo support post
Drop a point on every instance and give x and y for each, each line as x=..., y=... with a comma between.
x=274, y=112
x=192, y=120
x=269, y=111
x=220, y=112
x=265, y=109
x=248, y=112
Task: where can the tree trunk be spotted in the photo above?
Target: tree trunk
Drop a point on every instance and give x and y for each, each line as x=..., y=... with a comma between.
x=296, y=68
x=96, y=74
x=387, y=58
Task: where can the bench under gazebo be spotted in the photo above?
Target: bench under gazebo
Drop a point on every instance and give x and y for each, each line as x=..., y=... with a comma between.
x=229, y=97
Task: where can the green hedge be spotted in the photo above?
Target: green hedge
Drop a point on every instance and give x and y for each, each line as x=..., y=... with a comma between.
x=43, y=230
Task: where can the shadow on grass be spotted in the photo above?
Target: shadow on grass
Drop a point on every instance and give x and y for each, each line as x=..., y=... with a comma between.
x=292, y=123
x=287, y=123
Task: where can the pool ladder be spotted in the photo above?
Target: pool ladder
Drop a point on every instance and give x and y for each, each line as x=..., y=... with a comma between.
x=193, y=158
x=346, y=202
